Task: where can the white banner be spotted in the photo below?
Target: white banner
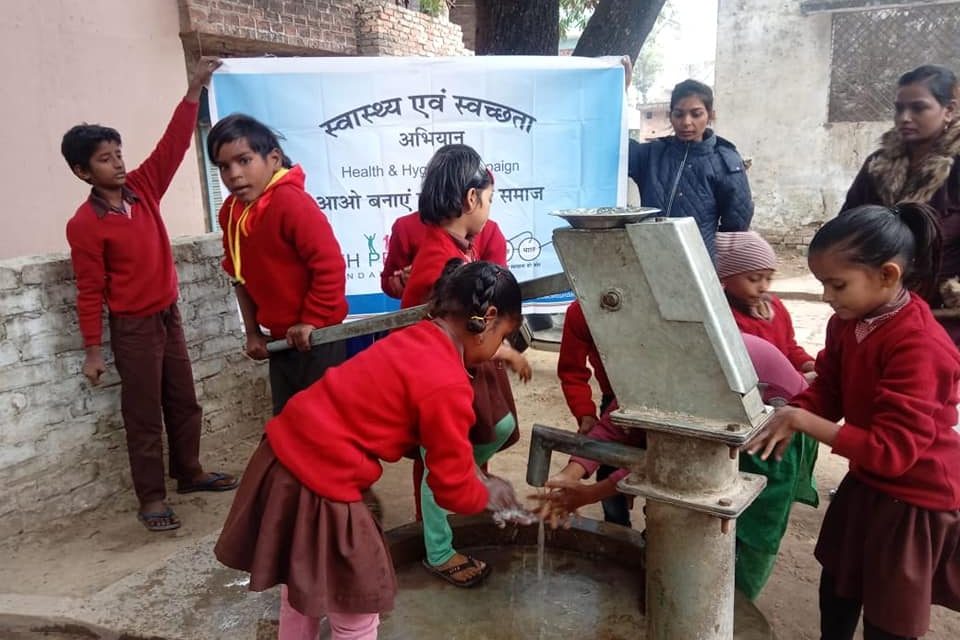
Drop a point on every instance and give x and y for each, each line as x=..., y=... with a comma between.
x=551, y=129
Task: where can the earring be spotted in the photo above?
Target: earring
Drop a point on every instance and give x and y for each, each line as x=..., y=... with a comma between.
x=480, y=339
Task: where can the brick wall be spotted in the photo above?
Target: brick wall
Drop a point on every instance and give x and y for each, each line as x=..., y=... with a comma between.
x=385, y=29
x=280, y=27
x=314, y=27
x=62, y=445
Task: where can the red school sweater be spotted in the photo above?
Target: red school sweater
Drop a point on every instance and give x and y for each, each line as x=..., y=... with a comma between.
x=406, y=238
x=778, y=331
x=290, y=261
x=576, y=350
x=897, y=393
x=376, y=406
x=437, y=248
x=127, y=261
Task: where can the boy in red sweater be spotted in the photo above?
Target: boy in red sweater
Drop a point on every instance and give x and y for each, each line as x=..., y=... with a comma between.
x=406, y=237
x=121, y=254
x=280, y=252
x=745, y=266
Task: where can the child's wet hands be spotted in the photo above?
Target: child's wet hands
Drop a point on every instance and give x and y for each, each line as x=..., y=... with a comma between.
x=776, y=434
x=94, y=367
x=559, y=505
x=256, y=347
x=501, y=494
x=298, y=336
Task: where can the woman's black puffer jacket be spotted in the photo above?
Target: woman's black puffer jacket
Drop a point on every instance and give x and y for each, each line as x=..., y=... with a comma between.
x=704, y=180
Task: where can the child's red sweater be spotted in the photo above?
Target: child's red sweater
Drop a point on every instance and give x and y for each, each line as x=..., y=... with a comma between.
x=897, y=394
x=376, y=406
x=127, y=261
x=436, y=249
x=290, y=260
x=406, y=238
x=576, y=350
x=778, y=331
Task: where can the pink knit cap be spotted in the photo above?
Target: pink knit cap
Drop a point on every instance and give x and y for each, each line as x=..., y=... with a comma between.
x=743, y=251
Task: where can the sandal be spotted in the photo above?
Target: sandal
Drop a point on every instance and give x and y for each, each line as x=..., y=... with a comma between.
x=215, y=482
x=153, y=521
x=448, y=573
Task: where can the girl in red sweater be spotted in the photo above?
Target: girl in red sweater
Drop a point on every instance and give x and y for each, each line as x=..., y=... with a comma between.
x=745, y=266
x=406, y=236
x=454, y=205
x=280, y=252
x=890, y=541
x=298, y=519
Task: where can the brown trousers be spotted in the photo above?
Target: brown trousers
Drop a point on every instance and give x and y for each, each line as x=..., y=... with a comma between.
x=156, y=390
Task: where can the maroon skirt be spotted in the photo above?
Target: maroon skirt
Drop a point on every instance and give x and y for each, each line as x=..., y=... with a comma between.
x=895, y=557
x=492, y=400
x=332, y=555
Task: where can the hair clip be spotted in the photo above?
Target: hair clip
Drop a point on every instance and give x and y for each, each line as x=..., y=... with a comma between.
x=480, y=318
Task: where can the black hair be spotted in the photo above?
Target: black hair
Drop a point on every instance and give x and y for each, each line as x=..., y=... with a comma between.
x=873, y=235
x=261, y=138
x=452, y=171
x=941, y=82
x=80, y=143
x=691, y=87
x=467, y=290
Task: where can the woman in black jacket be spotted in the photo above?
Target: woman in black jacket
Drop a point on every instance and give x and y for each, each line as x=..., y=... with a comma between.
x=693, y=173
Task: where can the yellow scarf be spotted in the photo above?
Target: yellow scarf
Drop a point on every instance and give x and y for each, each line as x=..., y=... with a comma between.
x=234, y=230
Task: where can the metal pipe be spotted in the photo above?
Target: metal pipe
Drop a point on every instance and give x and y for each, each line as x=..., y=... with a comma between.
x=690, y=558
x=545, y=440
x=529, y=290
x=689, y=574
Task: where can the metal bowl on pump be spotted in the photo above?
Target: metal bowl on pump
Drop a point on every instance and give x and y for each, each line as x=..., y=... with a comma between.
x=605, y=217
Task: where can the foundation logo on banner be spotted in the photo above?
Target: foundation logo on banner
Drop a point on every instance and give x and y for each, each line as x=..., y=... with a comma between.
x=552, y=130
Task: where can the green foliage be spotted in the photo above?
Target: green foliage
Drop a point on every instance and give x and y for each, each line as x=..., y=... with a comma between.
x=645, y=70
x=574, y=15
x=432, y=7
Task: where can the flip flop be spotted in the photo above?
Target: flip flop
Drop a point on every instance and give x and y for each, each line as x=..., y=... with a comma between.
x=447, y=574
x=147, y=517
x=210, y=484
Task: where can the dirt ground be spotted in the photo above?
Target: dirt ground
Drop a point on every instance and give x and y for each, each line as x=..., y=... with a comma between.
x=82, y=555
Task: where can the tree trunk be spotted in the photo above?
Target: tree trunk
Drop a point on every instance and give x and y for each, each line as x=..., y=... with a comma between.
x=508, y=27
x=618, y=27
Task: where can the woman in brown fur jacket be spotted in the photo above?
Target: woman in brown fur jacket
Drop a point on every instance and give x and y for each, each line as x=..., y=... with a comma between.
x=919, y=161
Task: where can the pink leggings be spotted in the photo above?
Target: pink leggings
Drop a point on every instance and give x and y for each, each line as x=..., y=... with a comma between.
x=343, y=626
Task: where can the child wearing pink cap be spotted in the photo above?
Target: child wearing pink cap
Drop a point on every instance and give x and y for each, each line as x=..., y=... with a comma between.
x=745, y=266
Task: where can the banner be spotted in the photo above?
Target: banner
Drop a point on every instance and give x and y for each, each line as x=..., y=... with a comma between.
x=551, y=129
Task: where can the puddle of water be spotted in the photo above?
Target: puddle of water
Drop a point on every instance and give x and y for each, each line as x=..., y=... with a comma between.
x=575, y=597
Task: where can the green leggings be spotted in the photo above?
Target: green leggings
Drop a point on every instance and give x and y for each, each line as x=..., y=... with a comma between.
x=437, y=534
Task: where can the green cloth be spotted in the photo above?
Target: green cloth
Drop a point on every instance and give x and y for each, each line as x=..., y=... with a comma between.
x=437, y=534
x=762, y=526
